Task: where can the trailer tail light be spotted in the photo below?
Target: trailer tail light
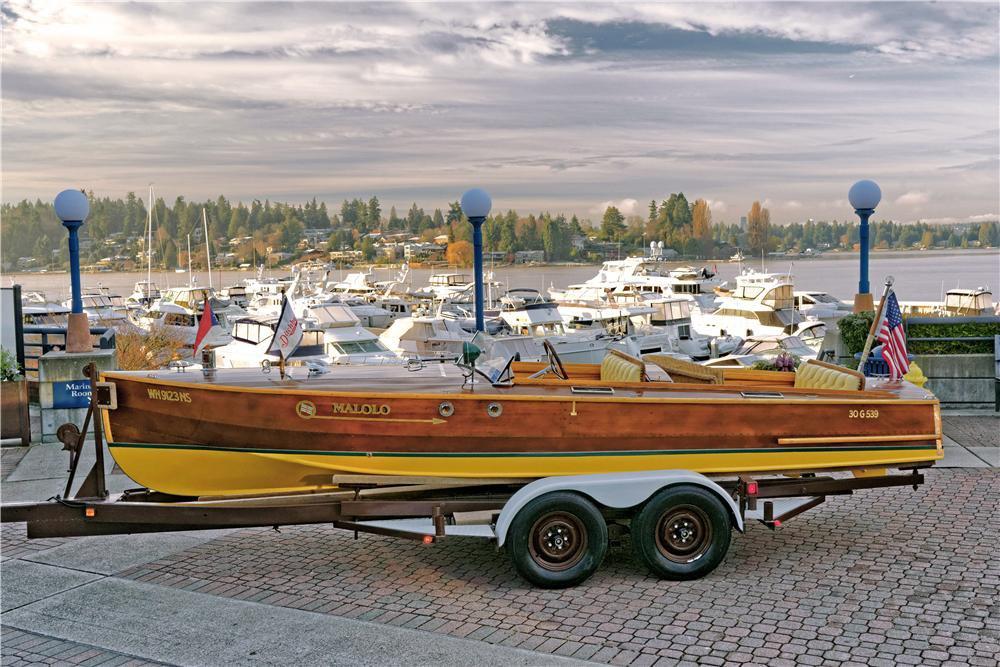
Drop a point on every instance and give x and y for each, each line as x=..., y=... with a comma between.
x=777, y=523
x=428, y=539
x=90, y=512
x=752, y=488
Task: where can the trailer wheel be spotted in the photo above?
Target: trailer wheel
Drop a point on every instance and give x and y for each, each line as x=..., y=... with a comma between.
x=557, y=540
x=682, y=533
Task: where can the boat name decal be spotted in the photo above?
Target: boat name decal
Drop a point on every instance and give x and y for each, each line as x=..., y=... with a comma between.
x=307, y=409
x=169, y=395
x=360, y=409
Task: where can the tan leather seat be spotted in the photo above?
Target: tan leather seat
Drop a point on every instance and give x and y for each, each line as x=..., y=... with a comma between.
x=819, y=375
x=686, y=371
x=620, y=367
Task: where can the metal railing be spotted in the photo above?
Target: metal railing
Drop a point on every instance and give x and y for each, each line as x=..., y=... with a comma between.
x=42, y=338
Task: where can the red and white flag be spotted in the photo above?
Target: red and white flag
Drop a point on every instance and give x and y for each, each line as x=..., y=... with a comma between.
x=893, y=339
x=288, y=335
x=205, y=324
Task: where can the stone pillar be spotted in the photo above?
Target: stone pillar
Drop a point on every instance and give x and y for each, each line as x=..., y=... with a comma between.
x=63, y=389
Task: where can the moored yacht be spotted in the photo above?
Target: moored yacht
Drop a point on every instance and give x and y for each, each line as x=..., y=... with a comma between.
x=179, y=309
x=759, y=304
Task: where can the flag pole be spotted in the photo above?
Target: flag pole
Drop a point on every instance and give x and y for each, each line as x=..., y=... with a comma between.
x=875, y=324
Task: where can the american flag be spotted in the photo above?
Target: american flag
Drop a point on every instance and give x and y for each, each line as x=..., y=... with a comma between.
x=890, y=334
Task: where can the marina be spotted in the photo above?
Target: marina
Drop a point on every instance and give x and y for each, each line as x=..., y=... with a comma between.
x=409, y=334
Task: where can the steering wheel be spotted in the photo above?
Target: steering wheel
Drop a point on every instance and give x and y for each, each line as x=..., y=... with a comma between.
x=555, y=363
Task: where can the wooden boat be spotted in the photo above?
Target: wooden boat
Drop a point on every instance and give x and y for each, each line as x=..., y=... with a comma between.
x=242, y=431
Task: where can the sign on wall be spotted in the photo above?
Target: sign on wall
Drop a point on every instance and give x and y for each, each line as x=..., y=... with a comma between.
x=72, y=394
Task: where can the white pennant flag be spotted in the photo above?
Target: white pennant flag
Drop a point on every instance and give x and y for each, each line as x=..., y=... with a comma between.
x=288, y=335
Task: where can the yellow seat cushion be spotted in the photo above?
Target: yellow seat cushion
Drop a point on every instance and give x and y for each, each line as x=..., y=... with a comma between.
x=818, y=375
x=620, y=367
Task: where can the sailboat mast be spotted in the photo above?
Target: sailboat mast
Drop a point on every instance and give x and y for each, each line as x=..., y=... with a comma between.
x=190, y=284
x=149, y=240
x=208, y=252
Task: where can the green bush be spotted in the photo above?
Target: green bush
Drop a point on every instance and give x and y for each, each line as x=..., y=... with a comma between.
x=9, y=370
x=854, y=330
x=946, y=329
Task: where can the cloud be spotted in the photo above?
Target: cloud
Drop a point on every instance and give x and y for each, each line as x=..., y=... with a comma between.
x=627, y=207
x=913, y=198
x=793, y=204
x=549, y=105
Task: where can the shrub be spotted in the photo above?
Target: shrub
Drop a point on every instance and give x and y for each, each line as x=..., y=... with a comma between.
x=9, y=370
x=946, y=329
x=140, y=350
x=854, y=330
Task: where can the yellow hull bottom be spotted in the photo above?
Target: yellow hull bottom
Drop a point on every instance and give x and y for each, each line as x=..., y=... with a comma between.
x=192, y=471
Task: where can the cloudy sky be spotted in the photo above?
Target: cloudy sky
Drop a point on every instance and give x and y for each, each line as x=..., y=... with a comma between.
x=563, y=107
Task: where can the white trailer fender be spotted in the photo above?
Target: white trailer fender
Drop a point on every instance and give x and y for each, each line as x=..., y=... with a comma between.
x=617, y=490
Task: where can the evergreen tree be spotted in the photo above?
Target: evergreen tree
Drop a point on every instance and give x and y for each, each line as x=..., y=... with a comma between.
x=612, y=224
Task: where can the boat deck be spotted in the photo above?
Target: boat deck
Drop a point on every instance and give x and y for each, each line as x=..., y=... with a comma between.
x=446, y=378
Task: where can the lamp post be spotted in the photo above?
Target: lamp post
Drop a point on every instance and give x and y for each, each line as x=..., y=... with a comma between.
x=72, y=208
x=476, y=205
x=864, y=197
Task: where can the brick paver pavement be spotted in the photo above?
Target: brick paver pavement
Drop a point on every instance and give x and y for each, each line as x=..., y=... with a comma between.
x=21, y=648
x=973, y=431
x=884, y=577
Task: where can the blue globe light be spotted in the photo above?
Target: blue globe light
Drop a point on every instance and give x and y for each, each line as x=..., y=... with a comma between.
x=865, y=195
x=476, y=203
x=71, y=206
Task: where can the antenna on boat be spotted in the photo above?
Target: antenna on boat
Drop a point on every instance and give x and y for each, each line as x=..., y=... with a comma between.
x=189, y=261
x=149, y=243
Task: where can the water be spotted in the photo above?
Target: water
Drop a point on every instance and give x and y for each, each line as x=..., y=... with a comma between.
x=920, y=276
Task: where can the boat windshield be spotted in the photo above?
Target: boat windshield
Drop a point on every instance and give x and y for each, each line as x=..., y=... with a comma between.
x=358, y=346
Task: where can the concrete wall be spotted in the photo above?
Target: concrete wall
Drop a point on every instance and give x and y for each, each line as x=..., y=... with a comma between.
x=63, y=367
x=960, y=380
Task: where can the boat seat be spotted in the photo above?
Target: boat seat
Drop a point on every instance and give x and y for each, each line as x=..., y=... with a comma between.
x=815, y=374
x=682, y=370
x=620, y=367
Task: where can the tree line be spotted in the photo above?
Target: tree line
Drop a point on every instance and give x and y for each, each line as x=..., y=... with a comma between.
x=117, y=227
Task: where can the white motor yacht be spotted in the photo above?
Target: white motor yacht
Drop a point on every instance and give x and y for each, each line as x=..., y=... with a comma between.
x=143, y=294
x=529, y=314
x=251, y=339
x=759, y=304
x=179, y=309
x=633, y=326
x=821, y=305
x=957, y=302
x=100, y=309
x=642, y=277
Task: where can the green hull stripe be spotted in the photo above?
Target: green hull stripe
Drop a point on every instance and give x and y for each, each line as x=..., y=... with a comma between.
x=655, y=452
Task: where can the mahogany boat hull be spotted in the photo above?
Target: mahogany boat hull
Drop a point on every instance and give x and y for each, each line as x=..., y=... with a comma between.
x=203, y=438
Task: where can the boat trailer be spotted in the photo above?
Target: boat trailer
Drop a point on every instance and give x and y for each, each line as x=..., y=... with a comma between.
x=556, y=529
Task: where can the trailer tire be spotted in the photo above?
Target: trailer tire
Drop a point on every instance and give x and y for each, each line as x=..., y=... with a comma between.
x=557, y=540
x=683, y=532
